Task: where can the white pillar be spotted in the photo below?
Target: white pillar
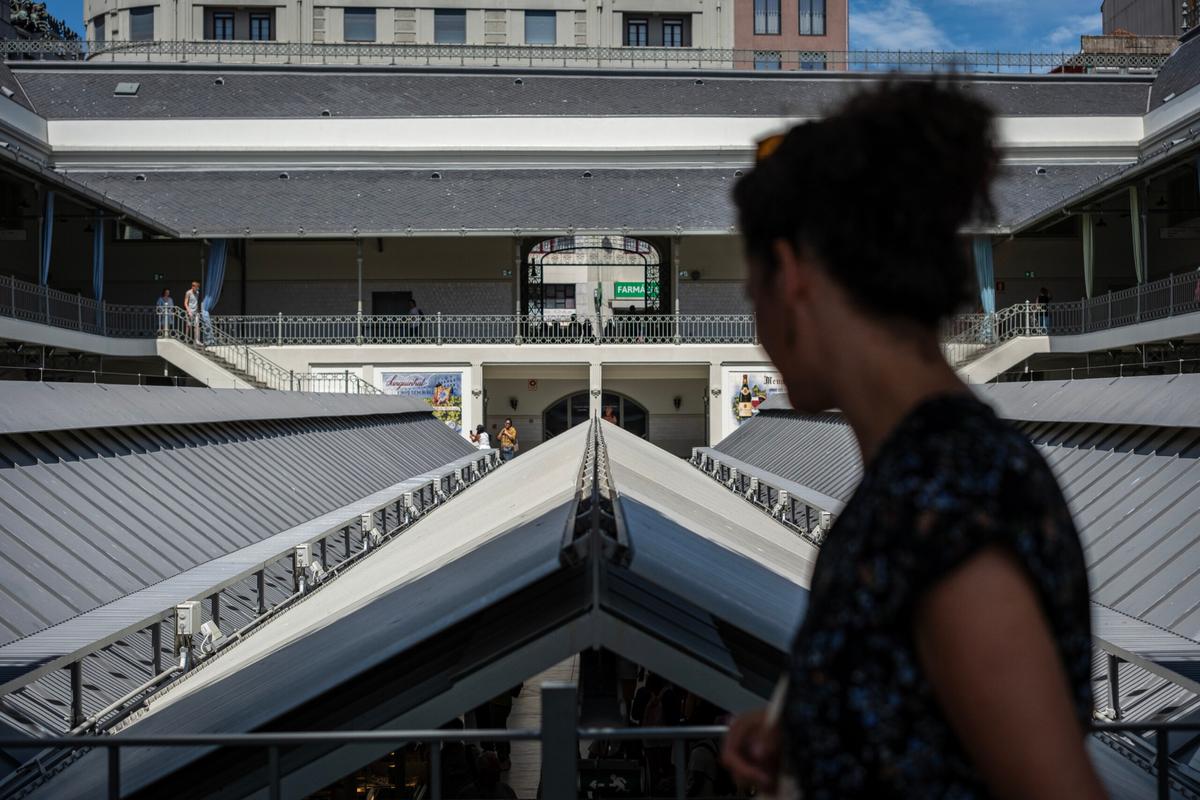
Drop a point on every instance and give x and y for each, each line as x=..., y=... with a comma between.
x=595, y=389
x=1089, y=253
x=474, y=410
x=716, y=404
x=1137, y=223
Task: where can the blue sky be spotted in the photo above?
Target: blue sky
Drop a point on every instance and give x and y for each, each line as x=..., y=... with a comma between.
x=1010, y=25
x=1007, y=25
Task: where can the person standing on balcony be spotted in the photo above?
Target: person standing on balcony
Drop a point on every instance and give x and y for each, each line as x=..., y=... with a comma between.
x=166, y=310
x=191, y=306
x=946, y=649
x=1044, y=308
x=508, y=441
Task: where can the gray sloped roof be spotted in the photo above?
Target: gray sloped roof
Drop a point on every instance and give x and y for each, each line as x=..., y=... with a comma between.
x=400, y=614
x=707, y=544
x=85, y=91
x=1178, y=74
x=1142, y=400
x=28, y=406
x=817, y=451
x=314, y=202
x=1126, y=453
x=91, y=515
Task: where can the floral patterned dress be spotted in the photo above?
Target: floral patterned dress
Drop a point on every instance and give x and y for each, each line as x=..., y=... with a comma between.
x=861, y=718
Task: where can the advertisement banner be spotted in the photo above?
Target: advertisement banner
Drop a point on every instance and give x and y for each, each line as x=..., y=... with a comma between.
x=748, y=390
x=441, y=390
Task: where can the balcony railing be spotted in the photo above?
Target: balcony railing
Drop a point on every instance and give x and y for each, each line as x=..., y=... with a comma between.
x=440, y=329
x=548, y=56
x=559, y=737
x=968, y=336
x=964, y=337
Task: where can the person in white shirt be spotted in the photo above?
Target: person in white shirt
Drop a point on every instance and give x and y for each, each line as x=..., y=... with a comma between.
x=191, y=305
x=479, y=437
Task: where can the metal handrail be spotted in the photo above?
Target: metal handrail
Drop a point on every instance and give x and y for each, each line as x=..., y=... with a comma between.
x=966, y=61
x=972, y=335
x=564, y=770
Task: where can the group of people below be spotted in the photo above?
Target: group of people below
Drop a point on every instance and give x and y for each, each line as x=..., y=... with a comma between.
x=193, y=309
x=505, y=439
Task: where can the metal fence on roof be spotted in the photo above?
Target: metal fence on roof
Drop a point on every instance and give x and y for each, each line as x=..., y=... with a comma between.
x=550, y=56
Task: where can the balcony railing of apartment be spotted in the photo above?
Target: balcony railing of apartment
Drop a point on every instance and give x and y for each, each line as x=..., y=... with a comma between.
x=559, y=737
x=240, y=52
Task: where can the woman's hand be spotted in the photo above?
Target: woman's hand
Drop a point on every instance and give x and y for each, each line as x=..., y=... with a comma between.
x=751, y=750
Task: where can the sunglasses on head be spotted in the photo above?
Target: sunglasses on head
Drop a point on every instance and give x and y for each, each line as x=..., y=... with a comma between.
x=767, y=146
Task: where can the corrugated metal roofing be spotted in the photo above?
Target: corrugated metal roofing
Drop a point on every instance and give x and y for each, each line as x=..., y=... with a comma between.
x=495, y=538
x=188, y=91
x=1135, y=494
x=1142, y=400
x=814, y=450
x=1155, y=649
x=1178, y=74
x=28, y=406
x=88, y=516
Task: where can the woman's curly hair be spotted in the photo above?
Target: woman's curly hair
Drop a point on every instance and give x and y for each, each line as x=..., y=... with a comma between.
x=878, y=193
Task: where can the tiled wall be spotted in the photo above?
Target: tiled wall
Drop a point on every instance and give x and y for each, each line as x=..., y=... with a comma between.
x=713, y=297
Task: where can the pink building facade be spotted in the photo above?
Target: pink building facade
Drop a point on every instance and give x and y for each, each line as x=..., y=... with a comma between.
x=778, y=30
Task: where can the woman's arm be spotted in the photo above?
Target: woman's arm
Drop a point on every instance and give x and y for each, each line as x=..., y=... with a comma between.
x=990, y=656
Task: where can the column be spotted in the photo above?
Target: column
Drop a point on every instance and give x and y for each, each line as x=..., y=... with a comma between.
x=474, y=410
x=516, y=275
x=595, y=389
x=367, y=373
x=676, y=260
x=716, y=404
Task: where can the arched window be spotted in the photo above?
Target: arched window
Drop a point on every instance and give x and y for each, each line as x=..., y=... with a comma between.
x=574, y=409
x=582, y=274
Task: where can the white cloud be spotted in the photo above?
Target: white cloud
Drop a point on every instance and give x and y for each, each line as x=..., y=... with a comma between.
x=896, y=25
x=1066, y=35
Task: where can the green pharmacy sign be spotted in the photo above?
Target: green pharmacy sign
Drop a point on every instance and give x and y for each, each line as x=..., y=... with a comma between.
x=628, y=290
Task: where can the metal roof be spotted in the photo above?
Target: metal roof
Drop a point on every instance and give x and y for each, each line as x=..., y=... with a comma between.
x=1133, y=488
x=435, y=604
x=91, y=515
x=1178, y=74
x=28, y=406
x=1134, y=492
x=1143, y=400
x=190, y=91
x=316, y=202
x=817, y=451
x=1154, y=649
x=704, y=543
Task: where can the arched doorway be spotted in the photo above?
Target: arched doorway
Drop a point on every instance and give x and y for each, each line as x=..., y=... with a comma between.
x=592, y=275
x=574, y=409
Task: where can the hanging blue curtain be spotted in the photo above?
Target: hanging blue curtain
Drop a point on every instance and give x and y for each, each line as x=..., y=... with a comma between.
x=98, y=258
x=98, y=267
x=985, y=272
x=214, y=273
x=47, y=238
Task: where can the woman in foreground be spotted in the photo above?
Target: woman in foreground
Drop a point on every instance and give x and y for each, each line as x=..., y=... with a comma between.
x=946, y=648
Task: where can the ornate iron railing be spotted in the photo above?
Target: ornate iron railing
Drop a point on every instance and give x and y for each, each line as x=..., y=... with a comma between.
x=547, y=56
x=440, y=329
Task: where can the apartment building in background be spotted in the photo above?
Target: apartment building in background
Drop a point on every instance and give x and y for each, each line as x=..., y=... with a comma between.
x=1150, y=17
x=791, y=34
x=615, y=23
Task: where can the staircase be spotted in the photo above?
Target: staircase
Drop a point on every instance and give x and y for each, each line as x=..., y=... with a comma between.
x=211, y=353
